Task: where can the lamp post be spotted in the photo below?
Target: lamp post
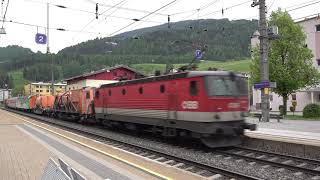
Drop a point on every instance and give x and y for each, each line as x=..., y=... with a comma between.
x=48, y=52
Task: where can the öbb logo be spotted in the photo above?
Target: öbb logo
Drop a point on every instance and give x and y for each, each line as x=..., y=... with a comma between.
x=190, y=104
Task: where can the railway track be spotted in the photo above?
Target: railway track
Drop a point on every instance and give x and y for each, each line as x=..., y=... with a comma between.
x=297, y=166
x=283, y=162
x=181, y=163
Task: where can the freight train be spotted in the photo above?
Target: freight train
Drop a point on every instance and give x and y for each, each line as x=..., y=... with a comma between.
x=208, y=105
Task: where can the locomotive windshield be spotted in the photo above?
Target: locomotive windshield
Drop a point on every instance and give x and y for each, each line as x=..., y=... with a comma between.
x=226, y=86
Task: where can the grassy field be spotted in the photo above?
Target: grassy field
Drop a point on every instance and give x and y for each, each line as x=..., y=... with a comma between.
x=237, y=66
x=18, y=81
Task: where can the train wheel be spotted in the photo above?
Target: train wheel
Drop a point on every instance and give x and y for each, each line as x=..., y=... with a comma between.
x=221, y=141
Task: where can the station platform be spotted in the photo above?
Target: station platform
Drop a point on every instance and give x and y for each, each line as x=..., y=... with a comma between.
x=290, y=131
x=25, y=151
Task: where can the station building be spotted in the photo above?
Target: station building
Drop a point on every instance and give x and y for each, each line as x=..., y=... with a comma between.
x=305, y=96
x=41, y=88
x=5, y=94
x=103, y=76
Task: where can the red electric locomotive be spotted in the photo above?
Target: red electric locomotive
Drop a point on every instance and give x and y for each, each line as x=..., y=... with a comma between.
x=209, y=105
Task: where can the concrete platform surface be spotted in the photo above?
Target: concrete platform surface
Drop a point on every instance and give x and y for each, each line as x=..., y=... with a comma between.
x=291, y=125
x=25, y=151
x=21, y=157
x=291, y=131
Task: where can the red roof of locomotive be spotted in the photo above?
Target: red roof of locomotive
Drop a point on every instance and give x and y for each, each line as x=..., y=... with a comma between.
x=178, y=75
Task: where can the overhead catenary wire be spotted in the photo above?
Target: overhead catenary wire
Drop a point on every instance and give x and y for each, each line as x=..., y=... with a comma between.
x=141, y=21
x=303, y=6
x=88, y=12
x=108, y=15
x=40, y=26
x=115, y=32
x=195, y=10
x=128, y=9
x=299, y=4
x=101, y=13
x=308, y=16
x=227, y=8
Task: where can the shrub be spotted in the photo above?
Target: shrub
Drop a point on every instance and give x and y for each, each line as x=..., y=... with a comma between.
x=292, y=108
x=311, y=111
x=281, y=109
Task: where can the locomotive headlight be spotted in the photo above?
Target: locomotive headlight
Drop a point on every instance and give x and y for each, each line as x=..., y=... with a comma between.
x=233, y=105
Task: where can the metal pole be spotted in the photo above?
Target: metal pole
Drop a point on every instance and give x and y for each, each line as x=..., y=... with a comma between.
x=48, y=49
x=264, y=66
x=249, y=93
x=48, y=52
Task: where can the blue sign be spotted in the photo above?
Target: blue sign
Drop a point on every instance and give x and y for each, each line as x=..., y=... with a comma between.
x=41, y=38
x=198, y=54
x=261, y=85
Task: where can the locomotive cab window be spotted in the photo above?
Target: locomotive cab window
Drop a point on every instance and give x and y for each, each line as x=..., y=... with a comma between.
x=193, y=88
x=225, y=86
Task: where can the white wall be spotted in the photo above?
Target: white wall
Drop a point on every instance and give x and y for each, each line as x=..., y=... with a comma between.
x=88, y=83
x=303, y=99
x=4, y=93
x=309, y=28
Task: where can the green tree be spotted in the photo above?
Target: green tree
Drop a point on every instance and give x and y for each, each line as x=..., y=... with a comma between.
x=290, y=61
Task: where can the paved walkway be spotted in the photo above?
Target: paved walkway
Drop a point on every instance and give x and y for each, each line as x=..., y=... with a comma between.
x=21, y=157
x=292, y=131
x=26, y=150
x=289, y=125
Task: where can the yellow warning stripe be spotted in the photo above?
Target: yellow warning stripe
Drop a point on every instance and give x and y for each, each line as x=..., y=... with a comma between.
x=100, y=151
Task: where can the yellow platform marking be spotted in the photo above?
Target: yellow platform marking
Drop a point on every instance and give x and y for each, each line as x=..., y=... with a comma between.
x=98, y=150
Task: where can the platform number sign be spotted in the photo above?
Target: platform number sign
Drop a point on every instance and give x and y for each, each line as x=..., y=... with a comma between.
x=41, y=38
x=198, y=54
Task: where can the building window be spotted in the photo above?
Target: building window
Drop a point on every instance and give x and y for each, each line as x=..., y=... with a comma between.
x=318, y=28
x=37, y=90
x=88, y=95
x=293, y=97
x=193, y=88
x=162, y=88
x=40, y=90
x=318, y=61
x=47, y=90
x=40, y=86
x=141, y=90
x=123, y=91
x=60, y=87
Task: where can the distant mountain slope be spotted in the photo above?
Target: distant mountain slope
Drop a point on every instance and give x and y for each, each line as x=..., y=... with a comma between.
x=222, y=38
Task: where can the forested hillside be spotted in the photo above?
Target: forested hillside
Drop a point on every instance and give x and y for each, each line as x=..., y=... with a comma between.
x=222, y=40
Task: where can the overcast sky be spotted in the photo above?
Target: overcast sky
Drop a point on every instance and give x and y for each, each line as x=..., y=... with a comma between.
x=73, y=20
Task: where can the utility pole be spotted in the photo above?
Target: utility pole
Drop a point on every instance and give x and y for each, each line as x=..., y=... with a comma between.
x=264, y=66
x=48, y=52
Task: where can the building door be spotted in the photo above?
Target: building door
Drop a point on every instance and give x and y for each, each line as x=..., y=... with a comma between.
x=172, y=100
